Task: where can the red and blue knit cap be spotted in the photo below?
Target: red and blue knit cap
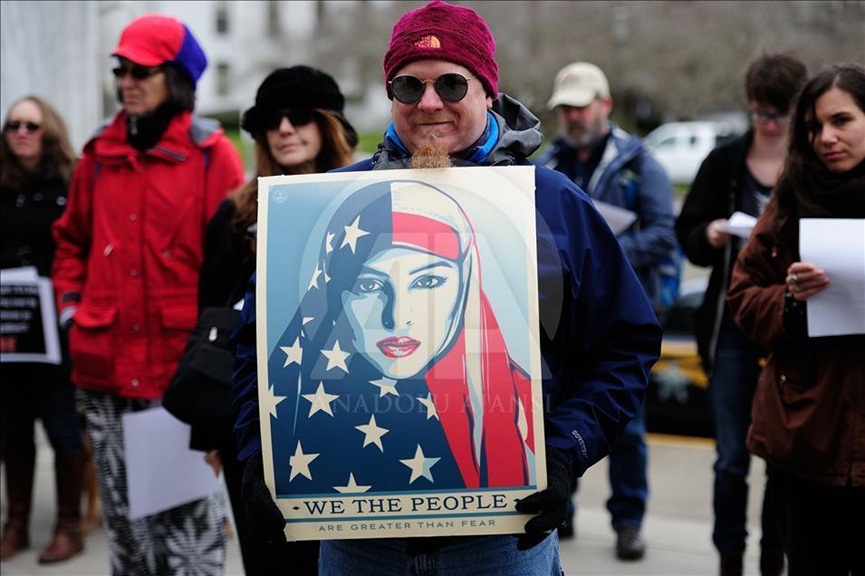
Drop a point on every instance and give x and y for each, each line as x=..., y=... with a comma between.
x=442, y=31
x=154, y=40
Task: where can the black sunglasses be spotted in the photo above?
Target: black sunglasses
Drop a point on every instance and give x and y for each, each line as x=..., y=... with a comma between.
x=16, y=125
x=297, y=117
x=136, y=71
x=409, y=89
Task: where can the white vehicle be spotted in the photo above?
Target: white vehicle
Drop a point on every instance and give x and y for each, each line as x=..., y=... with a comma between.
x=681, y=147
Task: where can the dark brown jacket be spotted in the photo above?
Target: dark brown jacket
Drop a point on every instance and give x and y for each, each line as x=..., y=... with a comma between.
x=809, y=408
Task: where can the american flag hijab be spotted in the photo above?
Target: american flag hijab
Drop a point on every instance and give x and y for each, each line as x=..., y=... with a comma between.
x=458, y=420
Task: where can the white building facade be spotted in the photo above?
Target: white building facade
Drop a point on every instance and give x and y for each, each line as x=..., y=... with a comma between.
x=60, y=50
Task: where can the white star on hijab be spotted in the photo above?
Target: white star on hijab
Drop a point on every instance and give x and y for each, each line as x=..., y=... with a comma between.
x=352, y=233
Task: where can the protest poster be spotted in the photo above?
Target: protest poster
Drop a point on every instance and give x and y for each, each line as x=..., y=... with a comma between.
x=28, y=320
x=398, y=351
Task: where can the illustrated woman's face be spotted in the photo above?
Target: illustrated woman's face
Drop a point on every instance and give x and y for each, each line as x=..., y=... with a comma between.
x=838, y=130
x=401, y=309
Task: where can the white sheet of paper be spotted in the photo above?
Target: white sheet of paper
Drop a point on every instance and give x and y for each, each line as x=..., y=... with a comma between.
x=15, y=274
x=739, y=224
x=618, y=219
x=161, y=471
x=838, y=247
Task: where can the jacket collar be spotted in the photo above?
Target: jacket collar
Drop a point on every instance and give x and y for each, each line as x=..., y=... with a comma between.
x=183, y=136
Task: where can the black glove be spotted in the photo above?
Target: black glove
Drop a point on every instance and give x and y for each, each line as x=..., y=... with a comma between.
x=550, y=504
x=264, y=518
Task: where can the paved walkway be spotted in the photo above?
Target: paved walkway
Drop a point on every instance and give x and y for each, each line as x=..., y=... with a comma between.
x=677, y=528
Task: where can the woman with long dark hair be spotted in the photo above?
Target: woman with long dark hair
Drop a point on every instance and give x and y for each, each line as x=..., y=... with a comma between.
x=809, y=407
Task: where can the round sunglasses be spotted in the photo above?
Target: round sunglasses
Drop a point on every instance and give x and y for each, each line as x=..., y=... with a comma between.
x=451, y=87
x=297, y=117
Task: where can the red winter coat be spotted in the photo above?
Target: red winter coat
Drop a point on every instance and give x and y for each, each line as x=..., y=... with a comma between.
x=129, y=249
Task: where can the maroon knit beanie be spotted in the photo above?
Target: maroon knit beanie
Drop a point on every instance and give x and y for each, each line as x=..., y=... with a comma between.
x=442, y=31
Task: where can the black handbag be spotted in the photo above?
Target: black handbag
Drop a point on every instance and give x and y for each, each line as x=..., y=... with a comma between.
x=200, y=390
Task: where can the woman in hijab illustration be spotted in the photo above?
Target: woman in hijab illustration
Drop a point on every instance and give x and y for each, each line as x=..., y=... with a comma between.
x=393, y=370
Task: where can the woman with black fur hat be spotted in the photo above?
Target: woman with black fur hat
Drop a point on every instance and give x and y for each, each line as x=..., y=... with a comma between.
x=299, y=128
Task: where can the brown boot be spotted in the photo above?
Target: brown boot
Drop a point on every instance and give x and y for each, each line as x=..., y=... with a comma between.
x=67, y=540
x=19, y=491
x=66, y=544
x=15, y=537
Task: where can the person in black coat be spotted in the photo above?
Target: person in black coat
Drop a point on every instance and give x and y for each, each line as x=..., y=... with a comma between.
x=36, y=162
x=298, y=128
x=737, y=176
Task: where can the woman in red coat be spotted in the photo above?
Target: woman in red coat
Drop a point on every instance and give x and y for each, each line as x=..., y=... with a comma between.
x=129, y=249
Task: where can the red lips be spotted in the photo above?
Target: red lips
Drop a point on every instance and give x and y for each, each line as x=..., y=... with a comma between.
x=397, y=347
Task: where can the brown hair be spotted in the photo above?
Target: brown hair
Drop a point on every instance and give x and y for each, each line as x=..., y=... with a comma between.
x=58, y=156
x=798, y=192
x=335, y=153
x=775, y=79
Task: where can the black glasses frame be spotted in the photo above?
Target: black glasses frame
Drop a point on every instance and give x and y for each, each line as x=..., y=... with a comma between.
x=15, y=125
x=136, y=71
x=296, y=116
x=450, y=87
x=759, y=116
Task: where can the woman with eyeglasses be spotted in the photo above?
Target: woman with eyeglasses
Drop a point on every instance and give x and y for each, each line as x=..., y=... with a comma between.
x=298, y=126
x=809, y=406
x=126, y=271
x=36, y=163
x=737, y=176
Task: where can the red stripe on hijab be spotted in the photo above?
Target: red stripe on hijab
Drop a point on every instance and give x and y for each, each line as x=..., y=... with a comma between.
x=423, y=232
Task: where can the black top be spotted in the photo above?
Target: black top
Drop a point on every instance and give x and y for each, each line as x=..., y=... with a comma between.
x=719, y=189
x=228, y=263
x=26, y=217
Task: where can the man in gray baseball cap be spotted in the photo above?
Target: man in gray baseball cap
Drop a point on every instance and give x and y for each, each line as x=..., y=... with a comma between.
x=614, y=168
x=578, y=84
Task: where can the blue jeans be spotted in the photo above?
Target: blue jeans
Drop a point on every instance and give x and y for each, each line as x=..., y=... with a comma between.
x=458, y=555
x=731, y=392
x=629, y=482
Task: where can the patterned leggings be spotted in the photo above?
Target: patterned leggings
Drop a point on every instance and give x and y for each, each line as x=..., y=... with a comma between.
x=186, y=540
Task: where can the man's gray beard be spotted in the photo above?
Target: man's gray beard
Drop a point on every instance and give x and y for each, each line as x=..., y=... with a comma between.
x=430, y=156
x=586, y=139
